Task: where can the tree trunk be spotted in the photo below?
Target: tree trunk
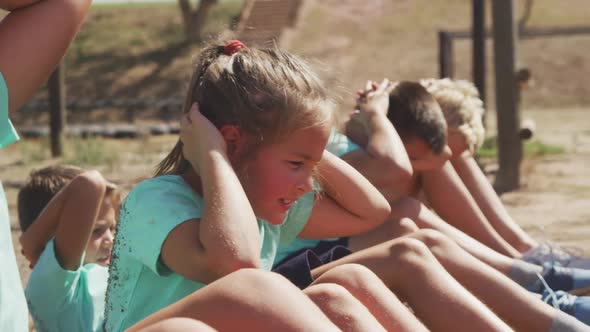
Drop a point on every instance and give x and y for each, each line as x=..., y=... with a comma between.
x=57, y=109
x=194, y=19
x=507, y=112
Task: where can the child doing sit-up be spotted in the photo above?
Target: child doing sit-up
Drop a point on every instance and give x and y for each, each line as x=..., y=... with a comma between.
x=195, y=240
x=68, y=218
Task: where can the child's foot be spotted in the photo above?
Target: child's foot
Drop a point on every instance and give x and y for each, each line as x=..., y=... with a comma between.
x=561, y=279
x=577, y=306
x=555, y=254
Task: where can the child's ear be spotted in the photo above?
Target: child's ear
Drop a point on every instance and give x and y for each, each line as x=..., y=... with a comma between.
x=233, y=138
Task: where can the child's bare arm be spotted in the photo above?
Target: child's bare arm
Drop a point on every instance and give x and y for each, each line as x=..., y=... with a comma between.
x=34, y=239
x=226, y=237
x=82, y=201
x=70, y=217
x=349, y=205
x=11, y=5
x=34, y=37
x=385, y=162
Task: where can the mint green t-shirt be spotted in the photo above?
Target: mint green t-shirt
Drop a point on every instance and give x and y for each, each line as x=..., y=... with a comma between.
x=8, y=134
x=62, y=300
x=140, y=284
x=339, y=145
x=13, y=308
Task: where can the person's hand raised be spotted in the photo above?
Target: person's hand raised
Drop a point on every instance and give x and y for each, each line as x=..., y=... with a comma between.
x=199, y=136
x=375, y=97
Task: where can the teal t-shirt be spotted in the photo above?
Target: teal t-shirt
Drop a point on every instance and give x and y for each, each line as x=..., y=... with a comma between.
x=62, y=300
x=13, y=308
x=339, y=145
x=7, y=132
x=140, y=284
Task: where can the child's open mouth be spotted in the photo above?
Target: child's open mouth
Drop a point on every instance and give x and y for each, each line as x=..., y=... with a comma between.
x=105, y=259
x=286, y=203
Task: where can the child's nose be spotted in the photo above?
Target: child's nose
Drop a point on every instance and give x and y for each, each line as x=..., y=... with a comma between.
x=109, y=237
x=306, y=185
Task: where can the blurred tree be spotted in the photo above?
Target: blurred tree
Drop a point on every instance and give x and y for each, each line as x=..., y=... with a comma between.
x=194, y=18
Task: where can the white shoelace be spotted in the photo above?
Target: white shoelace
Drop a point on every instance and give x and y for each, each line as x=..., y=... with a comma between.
x=557, y=298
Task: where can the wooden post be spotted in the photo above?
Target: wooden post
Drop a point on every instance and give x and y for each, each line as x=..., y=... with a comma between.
x=57, y=109
x=445, y=55
x=508, y=117
x=479, y=47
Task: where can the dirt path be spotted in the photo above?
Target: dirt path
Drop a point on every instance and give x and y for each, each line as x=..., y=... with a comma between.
x=555, y=194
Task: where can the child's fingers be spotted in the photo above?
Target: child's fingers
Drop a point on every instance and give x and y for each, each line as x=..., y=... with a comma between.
x=193, y=113
x=391, y=86
x=383, y=86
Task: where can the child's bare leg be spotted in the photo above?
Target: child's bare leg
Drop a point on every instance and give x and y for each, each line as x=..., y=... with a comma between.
x=520, y=308
x=489, y=202
x=453, y=202
x=424, y=218
x=178, y=324
x=409, y=269
x=391, y=229
x=374, y=295
x=248, y=299
x=343, y=309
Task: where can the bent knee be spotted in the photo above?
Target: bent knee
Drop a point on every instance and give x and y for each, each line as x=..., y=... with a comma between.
x=262, y=280
x=328, y=293
x=432, y=238
x=407, y=226
x=351, y=276
x=178, y=324
x=410, y=253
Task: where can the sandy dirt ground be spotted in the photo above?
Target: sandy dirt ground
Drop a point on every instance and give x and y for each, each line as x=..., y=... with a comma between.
x=555, y=192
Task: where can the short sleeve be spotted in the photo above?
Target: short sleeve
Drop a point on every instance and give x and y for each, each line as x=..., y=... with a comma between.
x=150, y=212
x=50, y=285
x=297, y=218
x=8, y=134
x=340, y=144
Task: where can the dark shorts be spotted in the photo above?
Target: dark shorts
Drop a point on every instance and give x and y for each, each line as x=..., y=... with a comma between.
x=297, y=267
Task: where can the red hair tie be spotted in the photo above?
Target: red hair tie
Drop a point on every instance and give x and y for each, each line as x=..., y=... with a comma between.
x=232, y=47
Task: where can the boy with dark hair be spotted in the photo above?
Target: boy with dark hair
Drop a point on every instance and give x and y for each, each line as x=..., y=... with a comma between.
x=68, y=217
x=42, y=185
x=416, y=114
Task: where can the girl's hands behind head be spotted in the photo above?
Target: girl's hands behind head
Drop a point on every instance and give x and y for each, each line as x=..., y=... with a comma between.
x=199, y=136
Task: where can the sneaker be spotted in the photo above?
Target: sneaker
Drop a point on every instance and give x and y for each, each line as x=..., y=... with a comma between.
x=566, y=278
x=577, y=306
x=554, y=254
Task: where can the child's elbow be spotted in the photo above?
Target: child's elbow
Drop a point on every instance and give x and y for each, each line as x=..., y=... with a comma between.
x=90, y=181
x=400, y=171
x=232, y=264
x=383, y=210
